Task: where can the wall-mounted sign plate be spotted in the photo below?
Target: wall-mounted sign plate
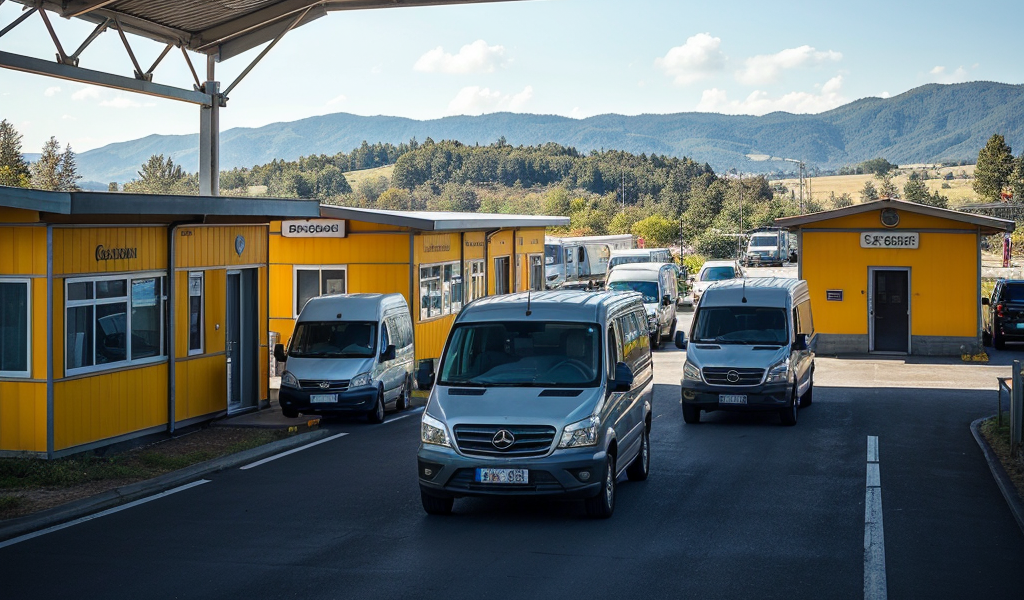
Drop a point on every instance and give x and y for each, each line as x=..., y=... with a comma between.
x=315, y=228
x=834, y=295
x=902, y=240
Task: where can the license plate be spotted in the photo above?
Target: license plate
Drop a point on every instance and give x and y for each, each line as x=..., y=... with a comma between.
x=1020, y=325
x=322, y=398
x=502, y=476
x=732, y=399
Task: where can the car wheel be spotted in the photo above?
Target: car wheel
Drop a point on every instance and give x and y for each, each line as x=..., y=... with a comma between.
x=808, y=396
x=403, y=399
x=290, y=413
x=602, y=505
x=997, y=339
x=788, y=414
x=377, y=413
x=436, y=505
x=691, y=414
x=640, y=468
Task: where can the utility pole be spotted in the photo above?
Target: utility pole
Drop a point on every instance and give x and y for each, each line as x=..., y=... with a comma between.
x=739, y=238
x=623, y=173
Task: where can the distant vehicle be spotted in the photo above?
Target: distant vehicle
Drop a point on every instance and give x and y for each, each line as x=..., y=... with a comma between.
x=657, y=283
x=639, y=255
x=350, y=353
x=580, y=258
x=1003, y=314
x=583, y=286
x=769, y=247
x=712, y=271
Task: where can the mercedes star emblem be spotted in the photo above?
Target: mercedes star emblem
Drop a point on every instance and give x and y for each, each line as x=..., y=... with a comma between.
x=732, y=376
x=325, y=385
x=503, y=440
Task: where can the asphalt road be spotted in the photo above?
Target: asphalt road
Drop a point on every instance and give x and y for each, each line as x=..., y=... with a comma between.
x=736, y=507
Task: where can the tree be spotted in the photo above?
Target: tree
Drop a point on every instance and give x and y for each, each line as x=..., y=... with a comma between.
x=395, y=199
x=656, y=230
x=162, y=176
x=876, y=166
x=887, y=189
x=1017, y=179
x=995, y=164
x=915, y=190
x=14, y=171
x=55, y=170
x=868, y=192
x=842, y=200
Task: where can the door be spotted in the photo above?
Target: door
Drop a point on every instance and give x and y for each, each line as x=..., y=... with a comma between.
x=890, y=310
x=501, y=272
x=241, y=340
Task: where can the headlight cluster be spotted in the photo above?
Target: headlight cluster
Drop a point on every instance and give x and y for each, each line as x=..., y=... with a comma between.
x=289, y=380
x=360, y=380
x=778, y=374
x=581, y=433
x=433, y=432
x=691, y=372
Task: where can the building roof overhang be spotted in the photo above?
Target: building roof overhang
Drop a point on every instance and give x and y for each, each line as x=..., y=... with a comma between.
x=439, y=221
x=987, y=225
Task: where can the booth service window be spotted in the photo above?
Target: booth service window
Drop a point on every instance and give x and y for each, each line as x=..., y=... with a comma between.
x=477, y=280
x=113, y=321
x=313, y=281
x=14, y=327
x=440, y=290
x=195, y=313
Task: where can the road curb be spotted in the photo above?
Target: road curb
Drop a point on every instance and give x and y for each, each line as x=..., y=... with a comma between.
x=134, y=491
x=1002, y=479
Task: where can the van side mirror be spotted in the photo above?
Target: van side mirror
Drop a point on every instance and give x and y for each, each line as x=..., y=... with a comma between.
x=389, y=353
x=623, y=381
x=681, y=340
x=801, y=342
x=279, y=354
x=666, y=300
x=984, y=300
x=425, y=375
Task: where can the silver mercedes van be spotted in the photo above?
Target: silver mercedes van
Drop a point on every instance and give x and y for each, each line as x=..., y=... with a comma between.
x=349, y=353
x=546, y=393
x=751, y=347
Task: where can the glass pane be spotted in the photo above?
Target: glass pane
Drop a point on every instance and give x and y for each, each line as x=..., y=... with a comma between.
x=195, y=286
x=145, y=318
x=111, y=338
x=195, y=323
x=78, y=346
x=334, y=339
x=333, y=282
x=457, y=292
x=307, y=284
x=424, y=300
x=14, y=327
x=113, y=288
x=81, y=290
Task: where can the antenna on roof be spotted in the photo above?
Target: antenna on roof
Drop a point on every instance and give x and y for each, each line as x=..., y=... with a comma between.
x=744, y=290
x=528, y=296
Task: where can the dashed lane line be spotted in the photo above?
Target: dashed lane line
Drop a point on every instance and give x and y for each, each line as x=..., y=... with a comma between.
x=405, y=416
x=874, y=538
x=292, y=451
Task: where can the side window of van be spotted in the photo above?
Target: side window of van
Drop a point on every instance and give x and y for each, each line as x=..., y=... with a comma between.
x=385, y=339
x=614, y=348
x=407, y=333
x=806, y=320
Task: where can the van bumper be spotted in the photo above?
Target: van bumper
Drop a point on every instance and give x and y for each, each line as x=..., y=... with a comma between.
x=770, y=396
x=452, y=475
x=351, y=401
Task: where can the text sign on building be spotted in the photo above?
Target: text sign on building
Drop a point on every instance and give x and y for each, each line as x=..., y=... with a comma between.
x=834, y=295
x=314, y=228
x=890, y=240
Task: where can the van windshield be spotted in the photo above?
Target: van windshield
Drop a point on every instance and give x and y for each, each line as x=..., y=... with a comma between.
x=552, y=254
x=334, y=339
x=718, y=274
x=648, y=288
x=523, y=353
x=629, y=260
x=741, y=325
x=761, y=241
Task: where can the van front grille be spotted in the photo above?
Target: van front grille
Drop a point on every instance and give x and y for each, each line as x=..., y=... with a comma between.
x=730, y=376
x=324, y=385
x=530, y=440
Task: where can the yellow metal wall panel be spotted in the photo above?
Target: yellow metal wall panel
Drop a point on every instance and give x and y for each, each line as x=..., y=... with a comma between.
x=214, y=246
x=380, y=248
x=109, y=404
x=908, y=220
x=23, y=250
x=284, y=329
x=17, y=215
x=216, y=310
x=201, y=385
x=473, y=244
x=75, y=249
x=58, y=328
x=431, y=336
x=22, y=416
x=530, y=240
x=437, y=247
x=38, y=331
x=379, y=279
x=281, y=292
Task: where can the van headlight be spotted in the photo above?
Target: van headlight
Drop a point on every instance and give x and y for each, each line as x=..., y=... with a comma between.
x=580, y=433
x=691, y=372
x=360, y=380
x=778, y=373
x=433, y=431
x=289, y=380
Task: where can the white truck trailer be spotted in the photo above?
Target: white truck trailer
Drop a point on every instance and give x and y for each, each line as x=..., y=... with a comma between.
x=570, y=259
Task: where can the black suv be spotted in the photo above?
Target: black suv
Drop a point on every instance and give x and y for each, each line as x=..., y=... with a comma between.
x=1003, y=316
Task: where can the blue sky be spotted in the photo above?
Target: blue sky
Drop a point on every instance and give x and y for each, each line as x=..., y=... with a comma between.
x=568, y=57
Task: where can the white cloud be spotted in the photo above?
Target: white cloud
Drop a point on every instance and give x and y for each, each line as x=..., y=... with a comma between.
x=474, y=100
x=51, y=91
x=760, y=103
x=68, y=118
x=939, y=75
x=577, y=113
x=697, y=59
x=477, y=57
x=86, y=93
x=337, y=100
x=884, y=95
x=125, y=102
x=768, y=68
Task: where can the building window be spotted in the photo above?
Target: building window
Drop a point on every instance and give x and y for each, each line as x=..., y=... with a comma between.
x=477, y=280
x=195, y=313
x=114, y=321
x=441, y=289
x=313, y=281
x=14, y=328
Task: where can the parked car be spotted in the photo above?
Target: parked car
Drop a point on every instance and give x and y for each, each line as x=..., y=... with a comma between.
x=750, y=348
x=350, y=353
x=1003, y=314
x=657, y=283
x=712, y=271
x=541, y=394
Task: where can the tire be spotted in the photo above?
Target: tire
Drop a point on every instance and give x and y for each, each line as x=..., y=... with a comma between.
x=436, y=505
x=602, y=505
x=691, y=414
x=997, y=339
x=788, y=414
x=640, y=468
x=808, y=396
x=403, y=399
x=376, y=415
x=290, y=413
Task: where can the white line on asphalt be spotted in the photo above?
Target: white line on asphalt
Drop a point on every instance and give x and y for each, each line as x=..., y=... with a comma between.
x=874, y=538
x=292, y=451
x=413, y=413
x=109, y=511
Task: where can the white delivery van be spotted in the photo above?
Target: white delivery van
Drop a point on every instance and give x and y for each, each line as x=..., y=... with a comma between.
x=657, y=283
x=640, y=255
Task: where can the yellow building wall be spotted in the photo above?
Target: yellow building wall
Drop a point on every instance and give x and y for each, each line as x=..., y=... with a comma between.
x=201, y=385
x=431, y=335
x=214, y=246
x=473, y=244
x=74, y=249
x=22, y=250
x=908, y=220
x=22, y=416
x=18, y=215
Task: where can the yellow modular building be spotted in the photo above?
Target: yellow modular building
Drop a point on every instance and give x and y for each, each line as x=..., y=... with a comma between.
x=439, y=261
x=894, y=277
x=98, y=290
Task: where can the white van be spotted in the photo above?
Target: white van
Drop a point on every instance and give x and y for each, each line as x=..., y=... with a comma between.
x=641, y=255
x=350, y=353
x=657, y=282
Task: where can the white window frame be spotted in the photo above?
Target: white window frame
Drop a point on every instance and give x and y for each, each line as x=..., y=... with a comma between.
x=27, y=373
x=478, y=278
x=320, y=282
x=444, y=288
x=128, y=278
x=201, y=276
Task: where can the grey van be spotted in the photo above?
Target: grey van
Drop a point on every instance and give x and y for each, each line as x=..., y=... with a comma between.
x=349, y=353
x=751, y=347
x=539, y=394
x=658, y=284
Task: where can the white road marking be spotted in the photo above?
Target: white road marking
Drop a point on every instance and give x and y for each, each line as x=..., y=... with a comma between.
x=109, y=511
x=405, y=416
x=874, y=538
x=292, y=451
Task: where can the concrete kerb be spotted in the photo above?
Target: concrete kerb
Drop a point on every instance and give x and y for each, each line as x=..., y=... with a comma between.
x=141, y=489
x=1002, y=479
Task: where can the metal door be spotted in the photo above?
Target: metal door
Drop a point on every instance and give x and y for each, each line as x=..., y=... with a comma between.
x=240, y=340
x=890, y=310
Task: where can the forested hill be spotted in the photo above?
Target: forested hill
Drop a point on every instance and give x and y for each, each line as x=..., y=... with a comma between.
x=931, y=123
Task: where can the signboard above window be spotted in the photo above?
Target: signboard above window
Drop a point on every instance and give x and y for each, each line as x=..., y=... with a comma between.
x=314, y=228
x=904, y=240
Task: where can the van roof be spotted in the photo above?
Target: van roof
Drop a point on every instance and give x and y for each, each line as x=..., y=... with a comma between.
x=718, y=263
x=556, y=305
x=624, y=271
x=350, y=307
x=638, y=251
x=759, y=291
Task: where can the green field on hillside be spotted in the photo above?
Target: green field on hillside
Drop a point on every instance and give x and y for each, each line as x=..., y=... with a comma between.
x=821, y=188
x=356, y=177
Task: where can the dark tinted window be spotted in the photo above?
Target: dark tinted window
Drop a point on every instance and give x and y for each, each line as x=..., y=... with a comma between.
x=1013, y=292
x=741, y=325
x=334, y=339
